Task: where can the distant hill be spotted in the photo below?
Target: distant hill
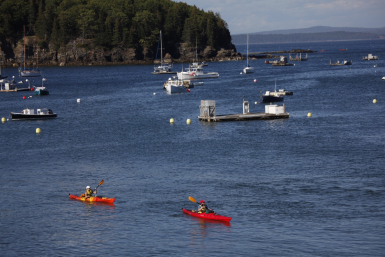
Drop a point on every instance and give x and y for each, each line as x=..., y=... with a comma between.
x=320, y=29
x=312, y=34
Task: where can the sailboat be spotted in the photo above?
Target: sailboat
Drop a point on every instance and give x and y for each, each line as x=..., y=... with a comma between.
x=29, y=72
x=162, y=68
x=248, y=69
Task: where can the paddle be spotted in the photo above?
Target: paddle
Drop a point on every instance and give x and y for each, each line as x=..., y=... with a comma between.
x=192, y=200
x=101, y=183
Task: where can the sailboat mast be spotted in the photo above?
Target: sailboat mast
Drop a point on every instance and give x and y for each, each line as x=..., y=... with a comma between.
x=196, y=48
x=247, y=51
x=161, y=49
x=24, y=47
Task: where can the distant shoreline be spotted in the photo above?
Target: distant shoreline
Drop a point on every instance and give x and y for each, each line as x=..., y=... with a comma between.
x=275, y=43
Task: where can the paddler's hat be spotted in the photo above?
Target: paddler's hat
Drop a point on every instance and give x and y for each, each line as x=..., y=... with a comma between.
x=202, y=201
x=88, y=187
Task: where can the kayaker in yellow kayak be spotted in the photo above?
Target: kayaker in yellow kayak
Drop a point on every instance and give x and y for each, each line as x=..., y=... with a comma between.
x=89, y=192
x=203, y=207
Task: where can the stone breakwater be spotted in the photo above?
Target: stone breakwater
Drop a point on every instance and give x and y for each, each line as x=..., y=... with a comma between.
x=79, y=52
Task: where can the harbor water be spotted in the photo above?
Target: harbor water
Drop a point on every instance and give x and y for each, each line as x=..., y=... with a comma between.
x=303, y=186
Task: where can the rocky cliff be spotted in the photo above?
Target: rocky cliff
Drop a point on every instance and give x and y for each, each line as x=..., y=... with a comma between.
x=83, y=52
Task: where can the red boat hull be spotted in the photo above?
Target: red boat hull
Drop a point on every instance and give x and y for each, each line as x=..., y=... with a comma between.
x=93, y=199
x=208, y=216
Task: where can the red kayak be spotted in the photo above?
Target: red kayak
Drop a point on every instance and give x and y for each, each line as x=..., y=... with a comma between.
x=93, y=199
x=209, y=216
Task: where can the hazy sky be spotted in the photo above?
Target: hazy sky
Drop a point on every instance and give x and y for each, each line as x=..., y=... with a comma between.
x=245, y=16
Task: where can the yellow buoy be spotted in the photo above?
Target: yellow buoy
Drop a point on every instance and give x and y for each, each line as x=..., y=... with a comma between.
x=309, y=114
x=171, y=120
x=3, y=120
x=188, y=121
x=374, y=101
x=38, y=130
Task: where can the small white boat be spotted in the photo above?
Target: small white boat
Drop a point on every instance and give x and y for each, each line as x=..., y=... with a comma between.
x=176, y=85
x=248, y=69
x=383, y=78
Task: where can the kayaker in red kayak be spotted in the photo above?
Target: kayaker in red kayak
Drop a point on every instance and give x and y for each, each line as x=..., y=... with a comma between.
x=203, y=207
x=89, y=192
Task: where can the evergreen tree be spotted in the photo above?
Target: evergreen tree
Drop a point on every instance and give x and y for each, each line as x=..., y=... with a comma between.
x=41, y=22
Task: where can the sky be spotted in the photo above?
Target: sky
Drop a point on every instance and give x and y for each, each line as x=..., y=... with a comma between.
x=249, y=16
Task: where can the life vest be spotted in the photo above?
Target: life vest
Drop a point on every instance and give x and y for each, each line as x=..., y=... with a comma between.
x=203, y=209
x=89, y=192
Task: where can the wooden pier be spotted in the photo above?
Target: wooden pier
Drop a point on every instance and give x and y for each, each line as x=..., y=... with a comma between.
x=272, y=112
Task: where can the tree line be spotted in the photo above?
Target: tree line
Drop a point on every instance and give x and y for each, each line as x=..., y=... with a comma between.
x=112, y=23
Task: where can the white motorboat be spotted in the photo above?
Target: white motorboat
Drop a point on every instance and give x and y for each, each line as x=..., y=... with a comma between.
x=248, y=69
x=176, y=85
x=193, y=72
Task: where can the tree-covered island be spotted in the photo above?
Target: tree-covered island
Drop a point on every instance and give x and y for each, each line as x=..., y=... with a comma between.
x=83, y=32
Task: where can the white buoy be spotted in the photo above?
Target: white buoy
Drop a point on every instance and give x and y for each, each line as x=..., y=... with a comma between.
x=78, y=100
x=255, y=80
x=171, y=120
x=309, y=114
x=188, y=121
x=38, y=130
x=3, y=120
x=374, y=101
x=240, y=73
x=154, y=93
x=255, y=102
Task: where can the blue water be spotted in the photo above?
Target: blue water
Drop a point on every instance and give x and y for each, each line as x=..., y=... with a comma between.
x=295, y=187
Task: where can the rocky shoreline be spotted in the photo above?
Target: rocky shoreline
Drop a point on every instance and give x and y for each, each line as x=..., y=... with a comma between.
x=82, y=52
x=273, y=54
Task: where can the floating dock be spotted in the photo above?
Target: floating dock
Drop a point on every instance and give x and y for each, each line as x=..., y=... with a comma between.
x=296, y=58
x=11, y=86
x=272, y=112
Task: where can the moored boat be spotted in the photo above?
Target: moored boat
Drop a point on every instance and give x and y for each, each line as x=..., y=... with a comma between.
x=268, y=98
x=93, y=199
x=248, y=69
x=177, y=85
x=208, y=216
x=275, y=96
x=29, y=114
x=29, y=72
x=162, y=68
x=196, y=73
x=41, y=91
